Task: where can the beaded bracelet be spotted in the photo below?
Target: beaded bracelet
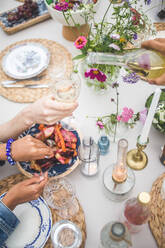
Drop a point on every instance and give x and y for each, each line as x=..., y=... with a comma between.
x=8, y=152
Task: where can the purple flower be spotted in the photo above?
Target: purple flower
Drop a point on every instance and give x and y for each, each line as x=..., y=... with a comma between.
x=62, y=6
x=143, y=115
x=115, y=36
x=135, y=36
x=75, y=7
x=114, y=46
x=95, y=73
x=131, y=78
x=148, y=2
x=100, y=124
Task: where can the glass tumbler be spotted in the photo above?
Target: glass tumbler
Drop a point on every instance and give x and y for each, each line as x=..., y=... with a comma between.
x=60, y=195
x=88, y=154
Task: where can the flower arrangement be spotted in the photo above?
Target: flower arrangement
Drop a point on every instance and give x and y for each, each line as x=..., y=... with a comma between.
x=64, y=5
x=68, y=8
x=124, y=27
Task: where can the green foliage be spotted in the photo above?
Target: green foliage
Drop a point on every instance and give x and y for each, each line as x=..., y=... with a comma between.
x=159, y=117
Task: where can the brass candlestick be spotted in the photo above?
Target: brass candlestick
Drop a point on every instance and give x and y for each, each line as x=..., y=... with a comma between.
x=136, y=158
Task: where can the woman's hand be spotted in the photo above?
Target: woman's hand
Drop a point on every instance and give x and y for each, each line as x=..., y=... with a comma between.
x=157, y=45
x=29, y=148
x=44, y=111
x=25, y=191
x=48, y=111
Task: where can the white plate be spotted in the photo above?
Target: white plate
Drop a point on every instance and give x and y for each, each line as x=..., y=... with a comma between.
x=26, y=60
x=35, y=225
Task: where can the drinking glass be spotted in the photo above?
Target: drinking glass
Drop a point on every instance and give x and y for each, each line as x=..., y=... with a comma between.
x=67, y=91
x=60, y=195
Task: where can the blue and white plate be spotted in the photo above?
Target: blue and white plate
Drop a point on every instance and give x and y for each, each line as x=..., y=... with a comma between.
x=26, y=60
x=35, y=225
x=57, y=170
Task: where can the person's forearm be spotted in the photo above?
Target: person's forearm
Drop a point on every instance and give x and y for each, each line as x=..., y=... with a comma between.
x=14, y=127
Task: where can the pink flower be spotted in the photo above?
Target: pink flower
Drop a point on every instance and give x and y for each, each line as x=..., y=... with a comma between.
x=119, y=118
x=126, y=114
x=100, y=124
x=143, y=115
x=114, y=46
x=95, y=73
x=80, y=42
x=62, y=6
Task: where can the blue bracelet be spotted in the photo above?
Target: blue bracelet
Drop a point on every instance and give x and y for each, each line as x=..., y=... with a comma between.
x=8, y=152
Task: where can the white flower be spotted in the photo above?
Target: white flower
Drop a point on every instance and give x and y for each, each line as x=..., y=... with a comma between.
x=114, y=46
x=162, y=116
x=115, y=36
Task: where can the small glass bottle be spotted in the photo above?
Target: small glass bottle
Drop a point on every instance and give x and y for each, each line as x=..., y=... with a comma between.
x=136, y=212
x=103, y=144
x=148, y=64
x=162, y=156
x=88, y=154
x=65, y=234
x=115, y=235
x=119, y=179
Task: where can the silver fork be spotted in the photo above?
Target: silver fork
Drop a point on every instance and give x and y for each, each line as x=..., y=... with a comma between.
x=8, y=82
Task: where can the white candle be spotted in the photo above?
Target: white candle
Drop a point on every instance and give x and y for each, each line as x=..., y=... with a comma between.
x=151, y=113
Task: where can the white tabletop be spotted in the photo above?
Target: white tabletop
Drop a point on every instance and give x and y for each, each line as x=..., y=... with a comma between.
x=98, y=209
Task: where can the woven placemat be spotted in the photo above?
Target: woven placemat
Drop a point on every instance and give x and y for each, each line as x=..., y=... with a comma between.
x=24, y=95
x=157, y=218
x=79, y=219
x=160, y=26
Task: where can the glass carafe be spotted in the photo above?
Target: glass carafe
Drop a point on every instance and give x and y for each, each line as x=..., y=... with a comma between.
x=136, y=212
x=118, y=179
x=147, y=64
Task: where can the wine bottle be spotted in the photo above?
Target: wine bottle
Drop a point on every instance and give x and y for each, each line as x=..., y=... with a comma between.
x=148, y=64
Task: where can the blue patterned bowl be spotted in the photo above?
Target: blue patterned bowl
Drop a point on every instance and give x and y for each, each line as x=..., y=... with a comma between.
x=57, y=170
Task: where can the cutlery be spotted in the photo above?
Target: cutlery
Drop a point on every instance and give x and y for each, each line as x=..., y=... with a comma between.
x=32, y=86
x=36, y=78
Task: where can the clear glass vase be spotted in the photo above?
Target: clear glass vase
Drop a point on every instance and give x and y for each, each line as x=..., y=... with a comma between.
x=111, y=73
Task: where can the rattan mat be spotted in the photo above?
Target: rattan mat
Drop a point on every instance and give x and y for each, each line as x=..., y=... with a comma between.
x=160, y=26
x=79, y=219
x=58, y=55
x=157, y=219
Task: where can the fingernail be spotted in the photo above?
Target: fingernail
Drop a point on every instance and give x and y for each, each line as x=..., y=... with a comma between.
x=41, y=178
x=47, y=157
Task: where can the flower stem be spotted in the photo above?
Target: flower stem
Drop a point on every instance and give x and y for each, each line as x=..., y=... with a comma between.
x=117, y=112
x=104, y=17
